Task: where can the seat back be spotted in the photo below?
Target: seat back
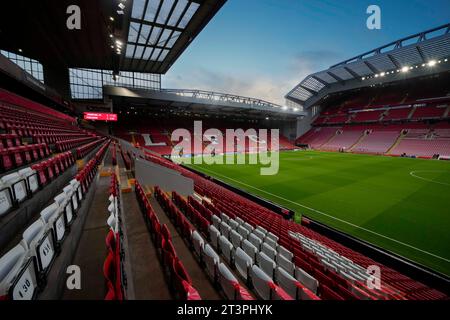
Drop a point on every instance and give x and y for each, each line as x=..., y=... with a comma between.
x=236, y=239
x=225, y=229
x=266, y=264
x=18, y=275
x=228, y=282
x=243, y=232
x=255, y=240
x=17, y=184
x=216, y=221
x=285, y=253
x=272, y=243
x=226, y=248
x=198, y=243
x=258, y=233
x=243, y=262
x=249, y=249
x=306, y=279
x=287, y=265
x=214, y=235
x=211, y=259
x=261, y=283
x=269, y=251
x=6, y=199
x=233, y=224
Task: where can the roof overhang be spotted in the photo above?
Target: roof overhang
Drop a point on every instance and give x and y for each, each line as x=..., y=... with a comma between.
x=201, y=101
x=165, y=29
x=419, y=55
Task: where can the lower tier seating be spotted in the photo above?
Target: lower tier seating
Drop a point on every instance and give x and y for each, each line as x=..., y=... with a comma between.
x=24, y=268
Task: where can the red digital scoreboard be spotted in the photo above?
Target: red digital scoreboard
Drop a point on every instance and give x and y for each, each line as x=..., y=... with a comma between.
x=100, y=116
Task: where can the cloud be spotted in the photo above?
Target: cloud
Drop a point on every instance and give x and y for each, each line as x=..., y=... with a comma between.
x=263, y=86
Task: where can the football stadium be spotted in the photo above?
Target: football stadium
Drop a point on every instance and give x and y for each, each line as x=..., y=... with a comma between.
x=148, y=153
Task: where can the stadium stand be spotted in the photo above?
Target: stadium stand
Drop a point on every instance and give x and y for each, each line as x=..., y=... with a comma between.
x=387, y=124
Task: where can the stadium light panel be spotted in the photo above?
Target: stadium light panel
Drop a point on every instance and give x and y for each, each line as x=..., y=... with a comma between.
x=405, y=69
x=432, y=63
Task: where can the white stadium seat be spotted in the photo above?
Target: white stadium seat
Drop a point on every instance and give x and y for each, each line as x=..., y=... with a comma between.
x=17, y=185
x=248, y=227
x=243, y=232
x=243, y=263
x=224, y=217
x=261, y=283
x=66, y=206
x=287, y=282
x=54, y=218
x=17, y=274
x=259, y=234
x=226, y=248
x=269, y=251
x=255, y=241
x=227, y=281
x=31, y=178
x=6, y=199
x=286, y=264
x=249, y=249
x=272, y=243
x=266, y=264
x=214, y=235
x=285, y=253
x=233, y=224
x=307, y=280
x=211, y=259
x=236, y=239
x=225, y=229
x=68, y=190
x=77, y=188
x=38, y=240
x=216, y=221
x=270, y=235
x=198, y=243
x=112, y=222
x=239, y=221
x=262, y=230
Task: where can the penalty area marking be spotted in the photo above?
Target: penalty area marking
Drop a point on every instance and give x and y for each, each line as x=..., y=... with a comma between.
x=330, y=216
x=413, y=174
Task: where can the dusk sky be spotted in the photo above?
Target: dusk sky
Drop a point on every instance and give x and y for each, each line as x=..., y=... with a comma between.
x=263, y=48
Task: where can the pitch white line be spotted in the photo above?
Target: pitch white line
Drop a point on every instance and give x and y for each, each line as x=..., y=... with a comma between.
x=413, y=174
x=330, y=216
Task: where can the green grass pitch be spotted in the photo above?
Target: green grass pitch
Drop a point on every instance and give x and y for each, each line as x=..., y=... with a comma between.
x=399, y=204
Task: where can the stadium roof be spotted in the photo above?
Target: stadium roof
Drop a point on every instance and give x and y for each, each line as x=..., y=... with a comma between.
x=198, y=100
x=122, y=35
x=387, y=63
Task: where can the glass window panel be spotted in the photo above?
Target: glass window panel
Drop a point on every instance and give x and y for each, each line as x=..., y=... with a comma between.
x=147, y=53
x=188, y=15
x=164, y=37
x=154, y=36
x=152, y=7
x=173, y=39
x=144, y=34
x=176, y=15
x=132, y=33
x=163, y=55
x=165, y=10
x=155, y=54
x=138, y=53
x=130, y=51
x=138, y=9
